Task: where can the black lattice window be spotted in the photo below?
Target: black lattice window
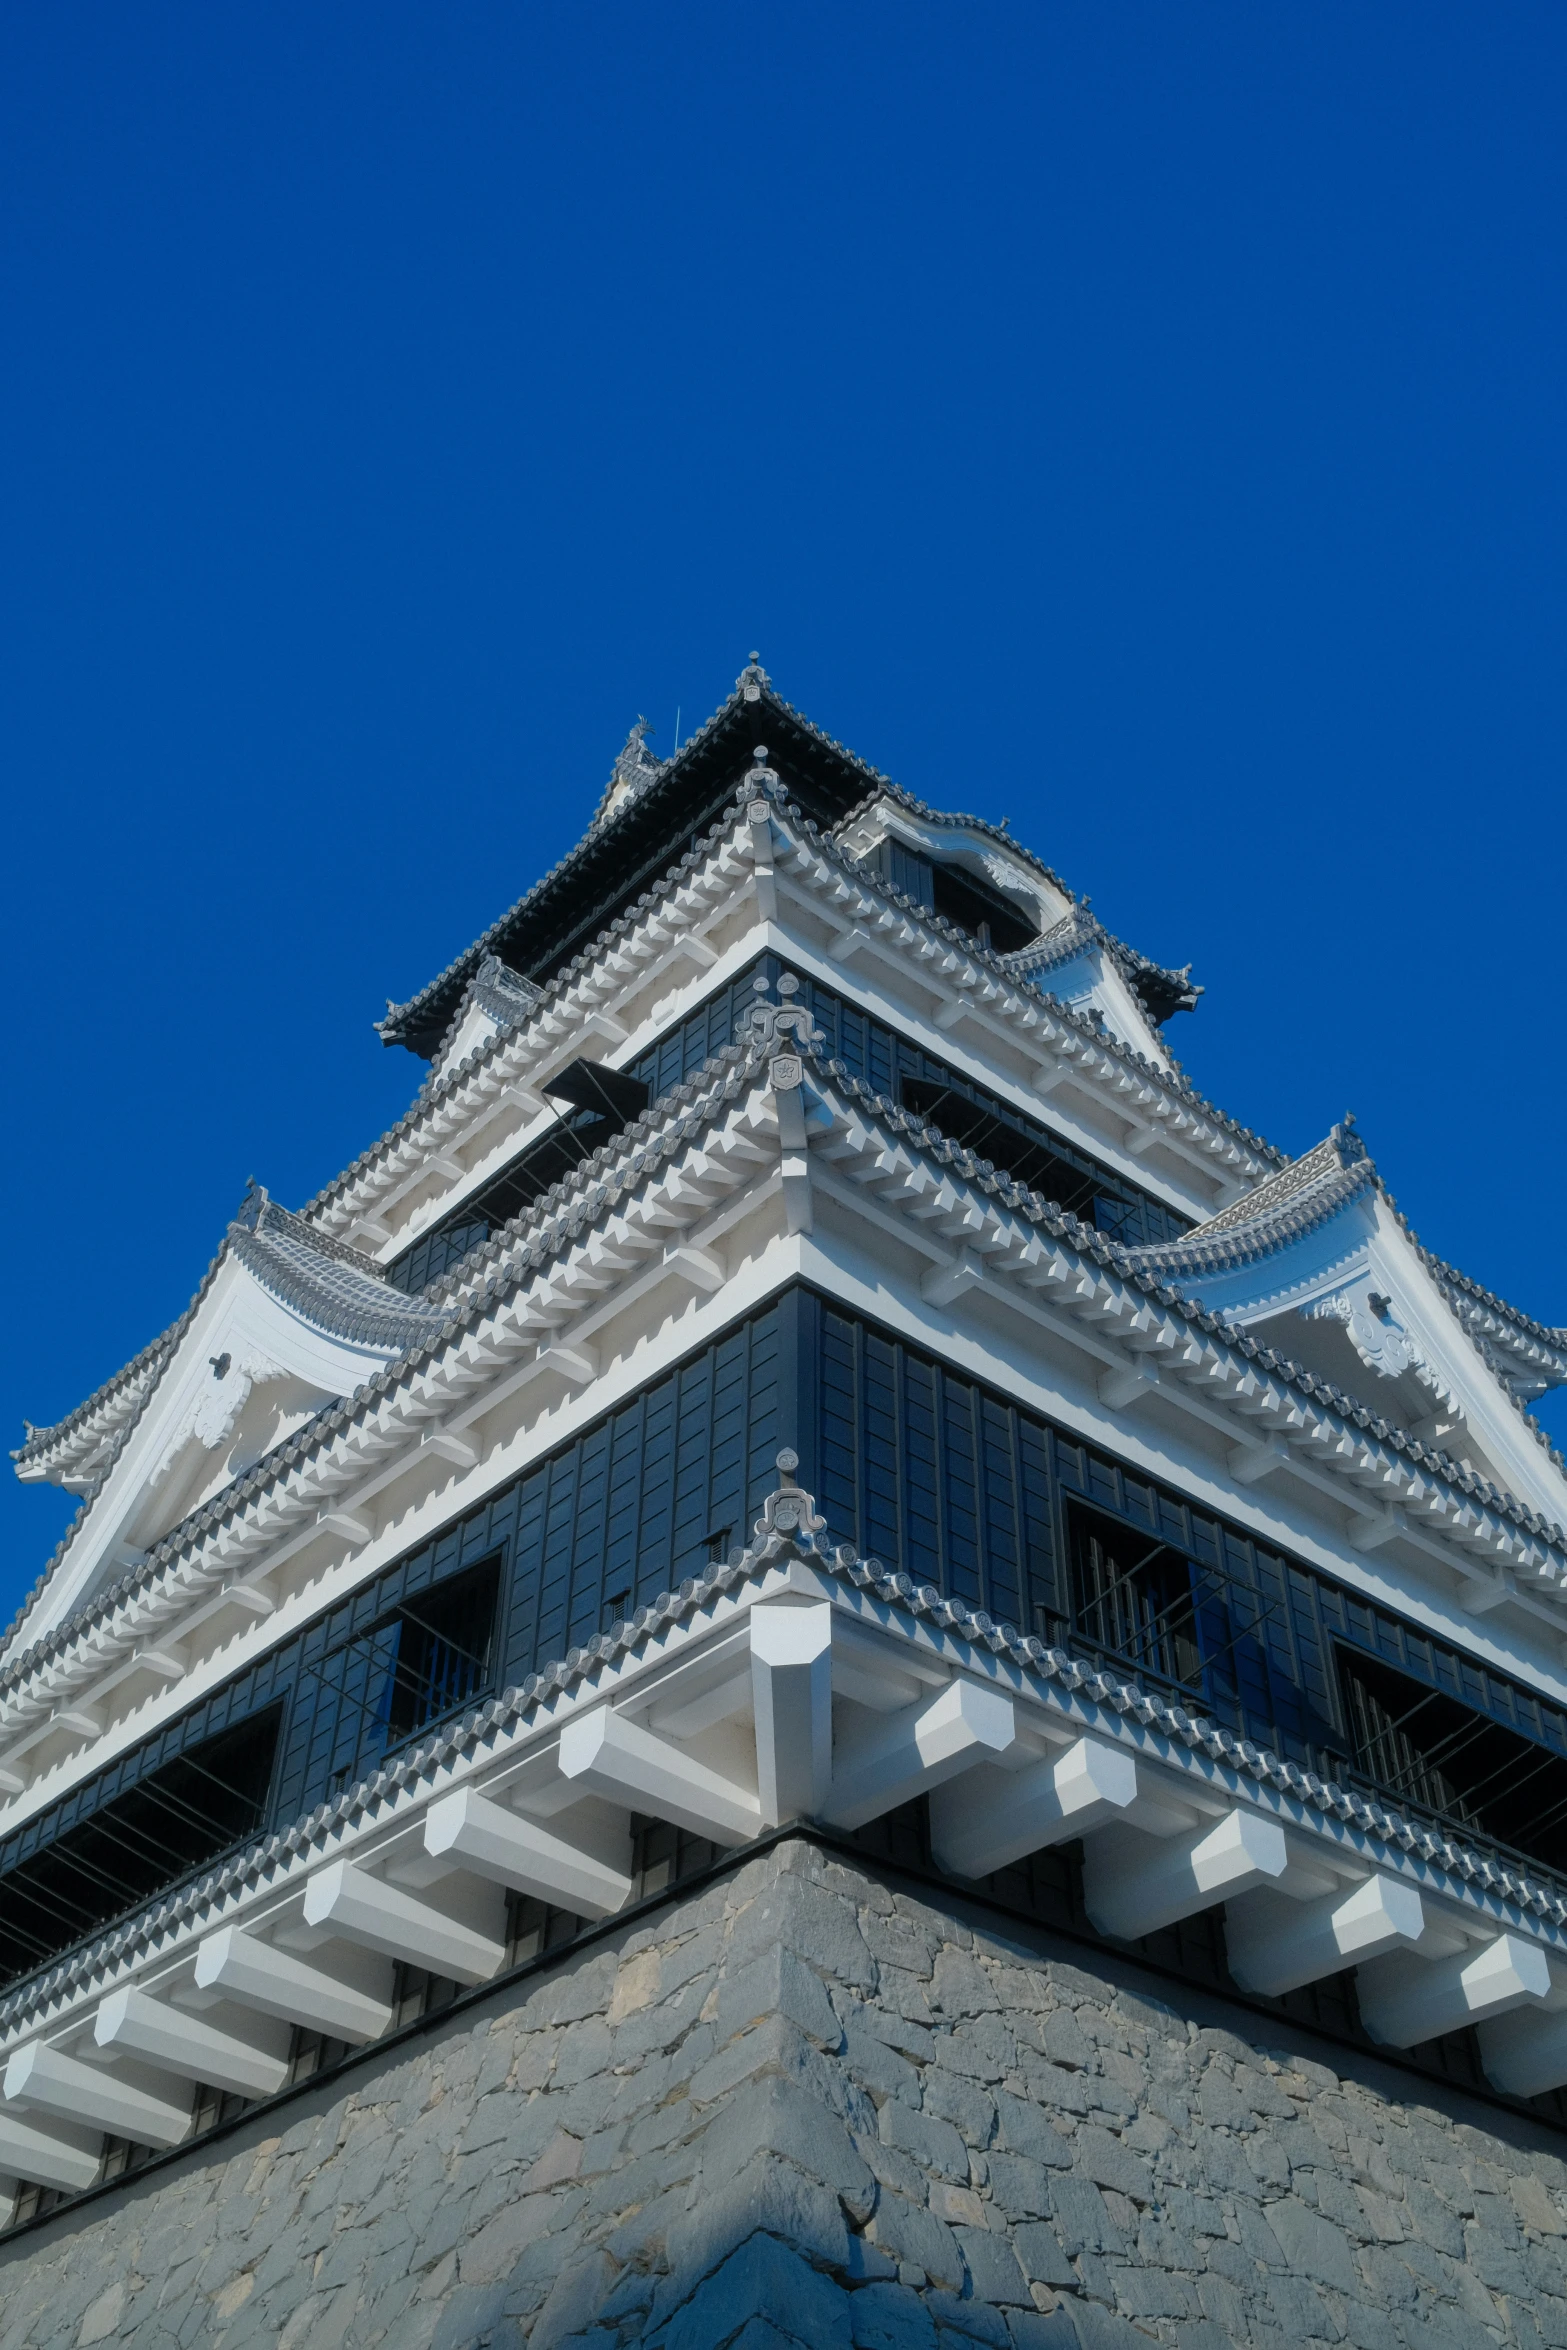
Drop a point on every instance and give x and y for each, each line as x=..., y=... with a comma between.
x=981, y=1121
x=1421, y=1747
x=147, y=1837
x=608, y=1098
x=1135, y=1599
x=930, y=1472
x=426, y=1658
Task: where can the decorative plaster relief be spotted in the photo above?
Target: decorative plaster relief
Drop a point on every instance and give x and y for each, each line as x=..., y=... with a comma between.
x=1379, y=1337
x=220, y=1402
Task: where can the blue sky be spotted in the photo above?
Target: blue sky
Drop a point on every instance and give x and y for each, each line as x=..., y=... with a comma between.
x=1143, y=423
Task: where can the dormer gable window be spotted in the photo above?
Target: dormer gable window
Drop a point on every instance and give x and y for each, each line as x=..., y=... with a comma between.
x=958, y=895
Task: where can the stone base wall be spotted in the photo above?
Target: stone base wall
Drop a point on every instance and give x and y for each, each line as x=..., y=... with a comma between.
x=803, y=2108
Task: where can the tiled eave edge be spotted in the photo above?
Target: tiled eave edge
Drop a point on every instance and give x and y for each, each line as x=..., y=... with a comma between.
x=753, y=689
x=139, y=1395
x=1086, y=1284
x=1534, y=1346
x=1275, y=1228
x=626, y=954
x=401, y=1016
x=995, y=1228
x=1483, y=1882
x=1131, y=1082
x=90, y=1428
x=1499, y=1343
x=384, y=1322
x=696, y=890
x=534, y=1280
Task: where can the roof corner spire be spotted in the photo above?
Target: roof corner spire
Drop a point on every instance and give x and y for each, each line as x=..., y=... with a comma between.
x=634, y=769
x=253, y=1206
x=753, y=680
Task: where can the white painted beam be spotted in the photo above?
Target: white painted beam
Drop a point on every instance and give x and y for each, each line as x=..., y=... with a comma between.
x=497, y=1844
x=1276, y=1944
x=69, y=2159
x=945, y=1284
x=699, y=1266
x=1478, y=1595
x=347, y=1900
x=791, y=1686
x=1250, y=1463
x=845, y=943
x=260, y=1975
x=918, y=1748
x=608, y=1755
x=1134, y=1884
x=348, y=1525
x=1525, y=2053
x=1405, y=2000
x=1369, y=1531
x=988, y=1819
x=1119, y=1388
x=80, y=1720
x=447, y=1445
x=139, y=2025
x=246, y=1595
x=167, y=1662
x=45, y=2079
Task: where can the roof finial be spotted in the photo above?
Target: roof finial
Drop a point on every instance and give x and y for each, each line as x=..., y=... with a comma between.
x=752, y=678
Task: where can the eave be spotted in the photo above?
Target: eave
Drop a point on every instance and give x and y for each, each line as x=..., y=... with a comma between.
x=825, y=1669
x=629, y=850
x=647, y=1220
x=1155, y=1109
x=981, y=1236
x=641, y=1216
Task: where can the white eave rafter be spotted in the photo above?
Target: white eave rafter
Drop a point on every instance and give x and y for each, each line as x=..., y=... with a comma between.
x=779, y=1638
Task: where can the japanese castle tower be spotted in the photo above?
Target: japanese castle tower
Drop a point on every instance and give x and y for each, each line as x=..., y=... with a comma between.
x=818, y=1662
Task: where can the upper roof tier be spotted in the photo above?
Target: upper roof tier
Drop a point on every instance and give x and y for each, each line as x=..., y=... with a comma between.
x=651, y=807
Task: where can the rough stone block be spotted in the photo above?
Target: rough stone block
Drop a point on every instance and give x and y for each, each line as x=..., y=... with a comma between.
x=1041, y=2255
x=777, y=1983
x=1022, y=2129
x=993, y=2268
x=758, y=2333
x=917, y=2237
x=1020, y=2185
x=969, y=2108
x=1034, y=2329
x=960, y=1986
x=767, y=2195
x=932, y=2143
x=573, y=2301
x=961, y=2321
x=779, y=2117
x=891, y=2317
x=1108, y=2163
x=817, y=1926
x=763, y=2279
x=1312, y=2245
x=1082, y=2221
x=879, y=2067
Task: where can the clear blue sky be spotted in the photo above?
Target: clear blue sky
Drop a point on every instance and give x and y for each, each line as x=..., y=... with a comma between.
x=1142, y=422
